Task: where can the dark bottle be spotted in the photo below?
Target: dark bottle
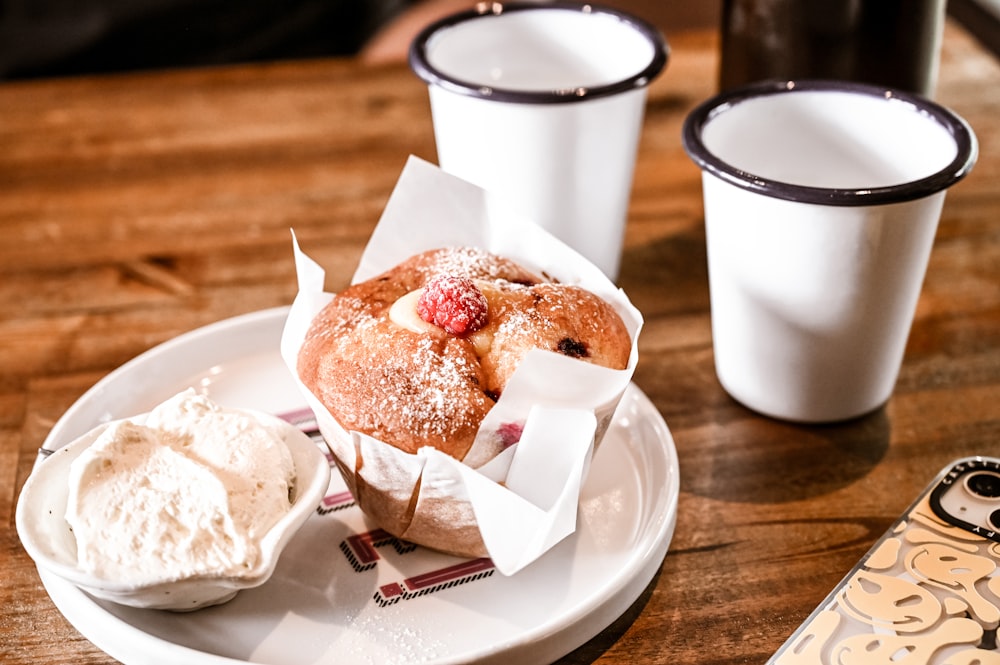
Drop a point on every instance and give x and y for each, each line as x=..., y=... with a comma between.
x=886, y=42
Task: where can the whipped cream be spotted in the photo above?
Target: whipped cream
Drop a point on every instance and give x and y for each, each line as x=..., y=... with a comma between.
x=189, y=492
x=404, y=314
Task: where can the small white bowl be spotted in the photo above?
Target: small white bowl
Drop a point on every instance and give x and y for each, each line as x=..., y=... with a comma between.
x=47, y=538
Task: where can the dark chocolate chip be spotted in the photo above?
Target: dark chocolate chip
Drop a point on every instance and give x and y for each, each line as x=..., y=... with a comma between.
x=572, y=348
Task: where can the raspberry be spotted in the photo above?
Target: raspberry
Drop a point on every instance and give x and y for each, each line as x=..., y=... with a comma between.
x=453, y=303
x=510, y=433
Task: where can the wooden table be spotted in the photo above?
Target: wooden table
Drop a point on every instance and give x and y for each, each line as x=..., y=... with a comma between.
x=134, y=208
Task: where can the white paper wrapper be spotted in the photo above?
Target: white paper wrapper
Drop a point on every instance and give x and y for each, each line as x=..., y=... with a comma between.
x=514, y=506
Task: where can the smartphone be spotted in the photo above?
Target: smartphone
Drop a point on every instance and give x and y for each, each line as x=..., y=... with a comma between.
x=928, y=591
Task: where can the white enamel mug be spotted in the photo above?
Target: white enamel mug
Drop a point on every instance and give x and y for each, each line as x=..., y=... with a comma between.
x=822, y=200
x=542, y=104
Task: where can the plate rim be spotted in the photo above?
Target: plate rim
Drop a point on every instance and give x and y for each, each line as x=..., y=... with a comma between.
x=612, y=599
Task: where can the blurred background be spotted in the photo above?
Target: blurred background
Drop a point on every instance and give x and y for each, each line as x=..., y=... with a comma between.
x=67, y=37
x=43, y=38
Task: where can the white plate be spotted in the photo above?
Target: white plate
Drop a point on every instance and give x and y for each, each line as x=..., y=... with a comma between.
x=324, y=604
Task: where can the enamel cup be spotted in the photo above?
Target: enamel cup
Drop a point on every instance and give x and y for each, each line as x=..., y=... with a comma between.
x=821, y=200
x=542, y=104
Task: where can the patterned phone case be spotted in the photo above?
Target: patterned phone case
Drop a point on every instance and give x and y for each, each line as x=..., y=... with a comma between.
x=927, y=592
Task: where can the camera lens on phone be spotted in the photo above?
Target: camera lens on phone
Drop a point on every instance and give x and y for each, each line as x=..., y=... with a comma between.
x=984, y=484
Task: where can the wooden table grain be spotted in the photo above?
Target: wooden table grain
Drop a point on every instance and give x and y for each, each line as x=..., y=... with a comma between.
x=134, y=208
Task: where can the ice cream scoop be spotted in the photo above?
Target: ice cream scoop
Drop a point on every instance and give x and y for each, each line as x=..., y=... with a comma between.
x=149, y=567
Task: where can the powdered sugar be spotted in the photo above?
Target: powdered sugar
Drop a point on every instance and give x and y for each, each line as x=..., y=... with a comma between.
x=471, y=262
x=433, y=394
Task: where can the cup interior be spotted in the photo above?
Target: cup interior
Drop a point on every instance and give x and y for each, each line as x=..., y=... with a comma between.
x=829, y=139
x=562, y=49
x=829, y=142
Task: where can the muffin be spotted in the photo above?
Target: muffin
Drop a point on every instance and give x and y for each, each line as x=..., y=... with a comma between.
x=418, y=355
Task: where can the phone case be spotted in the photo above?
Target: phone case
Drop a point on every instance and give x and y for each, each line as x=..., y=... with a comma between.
x=928, y=591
